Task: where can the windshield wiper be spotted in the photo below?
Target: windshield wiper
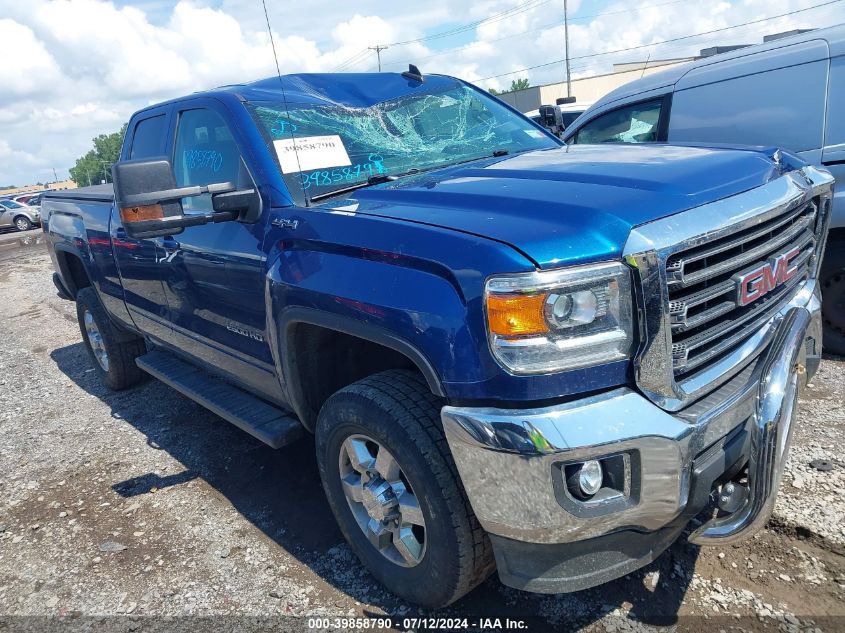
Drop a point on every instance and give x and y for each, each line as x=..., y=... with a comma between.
x=378, y=179
x=375, y=179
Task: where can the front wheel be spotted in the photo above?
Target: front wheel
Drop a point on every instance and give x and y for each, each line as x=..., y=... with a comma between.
x=391, y=482
x=22, y=223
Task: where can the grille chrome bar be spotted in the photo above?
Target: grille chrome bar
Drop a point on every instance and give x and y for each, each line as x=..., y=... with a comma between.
x=747, y=257
x=716, y=337
x=688, y=265
x=682, y=304
x=762, y=230
x=717, y=328
x=682, y=321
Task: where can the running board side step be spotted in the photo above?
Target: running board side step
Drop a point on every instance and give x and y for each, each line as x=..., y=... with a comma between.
x=272, y=425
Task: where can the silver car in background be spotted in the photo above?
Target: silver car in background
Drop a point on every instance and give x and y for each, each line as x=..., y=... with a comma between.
x=21, y=216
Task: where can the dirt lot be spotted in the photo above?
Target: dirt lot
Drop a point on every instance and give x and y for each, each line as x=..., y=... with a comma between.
x=142, y=503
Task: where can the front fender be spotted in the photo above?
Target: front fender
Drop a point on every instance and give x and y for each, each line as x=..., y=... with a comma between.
x=410, y=286
x=422, y=314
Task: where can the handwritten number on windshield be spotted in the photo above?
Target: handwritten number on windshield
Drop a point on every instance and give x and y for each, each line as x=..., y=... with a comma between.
x=342, y=175
x=283, y=127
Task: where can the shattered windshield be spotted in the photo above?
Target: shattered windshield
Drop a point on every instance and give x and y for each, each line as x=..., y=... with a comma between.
x=323, y=148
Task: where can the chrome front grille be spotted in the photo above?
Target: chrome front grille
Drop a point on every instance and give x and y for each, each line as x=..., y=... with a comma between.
x=706, y=317
x=698, y=328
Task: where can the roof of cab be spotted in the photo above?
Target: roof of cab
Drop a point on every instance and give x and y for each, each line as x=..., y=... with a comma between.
x=834, y=35
x=355, y=90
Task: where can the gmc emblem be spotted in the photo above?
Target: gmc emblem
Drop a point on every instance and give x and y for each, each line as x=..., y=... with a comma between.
x=762, y=280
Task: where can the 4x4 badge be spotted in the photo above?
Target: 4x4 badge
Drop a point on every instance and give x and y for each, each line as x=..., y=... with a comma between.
x=285, y=223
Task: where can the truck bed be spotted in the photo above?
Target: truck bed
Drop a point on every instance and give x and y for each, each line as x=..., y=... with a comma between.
x=98, y=193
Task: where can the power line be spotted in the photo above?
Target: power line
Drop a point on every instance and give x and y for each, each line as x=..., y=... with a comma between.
x=496, y=17
x=544, y=27
x=676, y=39
x=357, y=57
x=361, y=55
x=364, y=53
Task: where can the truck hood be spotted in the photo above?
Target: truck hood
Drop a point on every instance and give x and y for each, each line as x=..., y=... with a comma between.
x=567, y=205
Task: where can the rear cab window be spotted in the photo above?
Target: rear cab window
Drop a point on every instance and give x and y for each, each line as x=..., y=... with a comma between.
x=148, y=137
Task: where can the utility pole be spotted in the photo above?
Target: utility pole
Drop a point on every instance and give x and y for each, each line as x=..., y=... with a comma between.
x=55, y=177
x=566, y=38
x=378, y=50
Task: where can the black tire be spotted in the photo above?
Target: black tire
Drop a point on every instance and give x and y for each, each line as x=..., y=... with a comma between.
x=121, y=347
x=832, y=280
x=22, y=223
x=398, y=411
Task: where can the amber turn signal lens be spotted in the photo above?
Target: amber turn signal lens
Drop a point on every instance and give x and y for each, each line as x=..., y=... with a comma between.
x=142, y=213
x=515, y=314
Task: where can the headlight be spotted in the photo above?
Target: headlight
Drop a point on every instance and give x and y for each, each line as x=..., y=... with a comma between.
x=548, y=321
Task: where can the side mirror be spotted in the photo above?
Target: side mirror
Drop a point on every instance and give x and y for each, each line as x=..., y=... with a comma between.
x=150, y=203
x=551, y=118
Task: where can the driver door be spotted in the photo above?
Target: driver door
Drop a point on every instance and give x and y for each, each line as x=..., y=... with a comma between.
x=213, y=274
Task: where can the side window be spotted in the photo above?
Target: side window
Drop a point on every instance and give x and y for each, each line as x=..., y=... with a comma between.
x=636, y=123
x=205, y=152
x=149, y=134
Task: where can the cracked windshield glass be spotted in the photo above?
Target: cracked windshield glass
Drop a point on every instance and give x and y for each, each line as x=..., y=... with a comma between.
x=323, y=150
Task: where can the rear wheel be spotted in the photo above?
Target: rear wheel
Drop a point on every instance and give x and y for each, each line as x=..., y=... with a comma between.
x=22, y=223
x=391, y=482
x=112, y=352
x=832, y=279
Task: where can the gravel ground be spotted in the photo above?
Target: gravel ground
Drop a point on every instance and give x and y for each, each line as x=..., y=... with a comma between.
x=142, y=503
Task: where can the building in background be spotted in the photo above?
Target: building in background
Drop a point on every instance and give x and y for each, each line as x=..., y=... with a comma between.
x=51, y=186
x=590, y=89
x=587, y=89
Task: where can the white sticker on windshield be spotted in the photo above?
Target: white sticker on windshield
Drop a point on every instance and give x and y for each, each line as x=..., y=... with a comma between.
x=311, y=152
x=535, y=133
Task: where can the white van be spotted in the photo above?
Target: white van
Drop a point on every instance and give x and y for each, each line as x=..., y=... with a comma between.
x=788, y=93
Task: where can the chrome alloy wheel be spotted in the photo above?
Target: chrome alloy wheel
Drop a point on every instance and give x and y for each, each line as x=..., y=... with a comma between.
x=98, y=346
x=382, y=501
x=21, y=224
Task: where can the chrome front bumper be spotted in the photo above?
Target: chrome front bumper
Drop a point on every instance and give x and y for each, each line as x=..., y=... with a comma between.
x=509, y=460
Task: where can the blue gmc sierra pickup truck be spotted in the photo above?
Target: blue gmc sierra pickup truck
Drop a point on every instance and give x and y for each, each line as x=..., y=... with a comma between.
x=513, y=355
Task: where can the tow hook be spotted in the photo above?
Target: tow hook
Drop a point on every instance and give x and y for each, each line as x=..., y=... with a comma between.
x=732, y=497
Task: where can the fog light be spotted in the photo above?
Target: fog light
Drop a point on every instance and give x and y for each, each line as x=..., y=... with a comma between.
x=590, y=478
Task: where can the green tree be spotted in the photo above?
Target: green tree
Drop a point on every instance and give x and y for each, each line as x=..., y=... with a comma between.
x=516, y=84
x=96, y=164
x=520, y=84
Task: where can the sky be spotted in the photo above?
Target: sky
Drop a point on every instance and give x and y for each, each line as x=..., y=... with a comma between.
x=72, y=69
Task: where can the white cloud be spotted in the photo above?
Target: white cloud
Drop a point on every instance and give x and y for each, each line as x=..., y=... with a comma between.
x=72, y=69
x=26, y=63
